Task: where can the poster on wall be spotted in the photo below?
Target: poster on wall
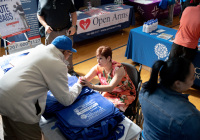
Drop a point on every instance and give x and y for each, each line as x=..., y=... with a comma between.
x=12, y=18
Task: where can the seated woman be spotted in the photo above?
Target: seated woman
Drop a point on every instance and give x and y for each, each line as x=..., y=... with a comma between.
x=167, y=112
x=115, y=82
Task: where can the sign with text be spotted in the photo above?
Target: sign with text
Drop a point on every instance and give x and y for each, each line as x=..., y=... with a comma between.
x=23, y=45
x=105, y=20
x=12, y=18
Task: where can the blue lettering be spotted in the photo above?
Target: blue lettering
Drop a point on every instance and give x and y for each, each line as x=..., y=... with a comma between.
x=4, y=8
x=5, y=14
x=6, y=17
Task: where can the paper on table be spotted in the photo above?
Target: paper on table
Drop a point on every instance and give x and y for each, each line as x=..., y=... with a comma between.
x=127, y=126
x=143, y=1
x=165, y=36
x=18, y=59
x=78, y=13
x=133, y=131
x=160, y=30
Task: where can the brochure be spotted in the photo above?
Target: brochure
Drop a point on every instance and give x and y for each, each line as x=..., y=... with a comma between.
x=160, y=30
x=165, y=36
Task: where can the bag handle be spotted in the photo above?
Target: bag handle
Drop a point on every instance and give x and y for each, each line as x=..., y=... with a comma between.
x=103, y=129
x=119, y=132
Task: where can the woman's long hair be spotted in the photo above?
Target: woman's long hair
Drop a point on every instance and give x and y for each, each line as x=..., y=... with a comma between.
x=169, y=71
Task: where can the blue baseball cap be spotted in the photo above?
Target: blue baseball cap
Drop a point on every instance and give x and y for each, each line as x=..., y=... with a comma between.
x=63, y=42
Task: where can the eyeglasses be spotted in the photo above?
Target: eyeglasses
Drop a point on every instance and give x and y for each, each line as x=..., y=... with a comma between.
x=69, y=51
x=54, y=4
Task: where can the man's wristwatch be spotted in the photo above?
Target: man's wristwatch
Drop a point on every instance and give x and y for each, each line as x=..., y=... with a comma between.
x=74, y=26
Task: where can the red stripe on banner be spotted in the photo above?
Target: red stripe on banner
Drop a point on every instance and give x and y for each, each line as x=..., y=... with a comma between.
x=11, y=42
x=12, y=23
x=34, y=37
x=20, y=32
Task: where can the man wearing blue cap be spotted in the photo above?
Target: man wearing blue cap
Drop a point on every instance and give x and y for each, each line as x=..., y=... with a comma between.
x=23, y=89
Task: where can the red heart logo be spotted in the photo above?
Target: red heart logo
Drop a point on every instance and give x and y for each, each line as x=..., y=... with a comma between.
x=84, y=24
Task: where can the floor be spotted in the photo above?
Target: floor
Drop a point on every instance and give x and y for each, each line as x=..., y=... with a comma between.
x=85, y=59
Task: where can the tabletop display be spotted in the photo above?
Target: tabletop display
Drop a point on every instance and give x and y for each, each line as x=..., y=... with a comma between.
x=102, y=20
x=157, y=46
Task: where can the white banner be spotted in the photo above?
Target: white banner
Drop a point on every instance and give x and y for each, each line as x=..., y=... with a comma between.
x=12, y=18
x=23, y=45
x=101, y=21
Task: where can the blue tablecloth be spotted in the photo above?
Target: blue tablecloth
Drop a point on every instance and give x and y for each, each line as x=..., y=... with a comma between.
x=104, y=30
x=146, y=49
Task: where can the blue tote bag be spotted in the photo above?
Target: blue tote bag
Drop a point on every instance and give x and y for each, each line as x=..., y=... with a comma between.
x=91, y=117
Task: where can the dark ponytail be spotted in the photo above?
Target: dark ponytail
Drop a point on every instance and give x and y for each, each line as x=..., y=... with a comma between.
x=169, y=71
x=151, y=85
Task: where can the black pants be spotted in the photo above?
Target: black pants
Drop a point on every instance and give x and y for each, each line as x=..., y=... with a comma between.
x=20, y=131
x=178, y=50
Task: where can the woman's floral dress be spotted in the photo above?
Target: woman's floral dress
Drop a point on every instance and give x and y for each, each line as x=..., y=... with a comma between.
x=124, y=93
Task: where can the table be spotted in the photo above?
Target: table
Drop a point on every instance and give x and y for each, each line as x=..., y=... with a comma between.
x=131, y=129
x=108, y=21
x=146, y=49
x=148, y=9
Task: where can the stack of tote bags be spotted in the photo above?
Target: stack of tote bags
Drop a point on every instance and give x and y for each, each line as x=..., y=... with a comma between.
x=90, y=117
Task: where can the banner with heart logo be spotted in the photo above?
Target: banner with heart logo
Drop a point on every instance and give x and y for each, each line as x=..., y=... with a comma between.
x=102, y=21
x=84, y=24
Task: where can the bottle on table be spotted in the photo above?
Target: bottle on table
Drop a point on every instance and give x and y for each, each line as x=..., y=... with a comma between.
x=89, y=5
x=148, y=27
x=156, y=24
x=144, y=27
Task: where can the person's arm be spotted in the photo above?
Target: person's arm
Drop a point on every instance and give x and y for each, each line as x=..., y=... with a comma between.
x=107, y=88
x=48, y=29
x=91, y=74
x=72, y=29
x=57, y=81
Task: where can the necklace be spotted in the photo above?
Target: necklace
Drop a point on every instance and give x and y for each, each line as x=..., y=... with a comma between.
x=107, y=72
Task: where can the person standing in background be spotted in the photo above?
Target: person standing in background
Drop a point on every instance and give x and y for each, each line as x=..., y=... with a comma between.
x=170, y=4
x=55, y=15
x=186, y=39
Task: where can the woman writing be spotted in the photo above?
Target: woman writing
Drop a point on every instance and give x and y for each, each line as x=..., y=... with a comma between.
x=116, y=85
x=167, y=112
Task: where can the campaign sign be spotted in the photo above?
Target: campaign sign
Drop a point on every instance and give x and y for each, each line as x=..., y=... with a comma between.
x=12, y=18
